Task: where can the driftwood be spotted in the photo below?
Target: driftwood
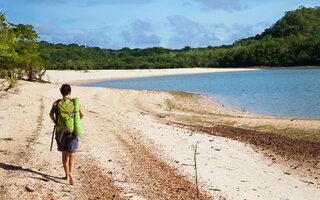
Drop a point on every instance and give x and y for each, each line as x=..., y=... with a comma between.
x=196, y=168
x=42, y=73
x=8, y=88
x=39, y=79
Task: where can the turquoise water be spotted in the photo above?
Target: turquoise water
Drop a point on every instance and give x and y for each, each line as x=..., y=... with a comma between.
x=281, y=92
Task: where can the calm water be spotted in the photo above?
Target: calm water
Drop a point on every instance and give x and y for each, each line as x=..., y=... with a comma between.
x=282, y=92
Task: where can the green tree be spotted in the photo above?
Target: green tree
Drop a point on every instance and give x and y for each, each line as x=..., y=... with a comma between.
x=19, y=54
x=8, y=43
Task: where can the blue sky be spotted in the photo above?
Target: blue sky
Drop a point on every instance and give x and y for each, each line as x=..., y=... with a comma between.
x=147, y=23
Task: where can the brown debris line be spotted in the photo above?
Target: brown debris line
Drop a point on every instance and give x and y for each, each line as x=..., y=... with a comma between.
x=160, y=181
x=289, y=148
x=95, y=184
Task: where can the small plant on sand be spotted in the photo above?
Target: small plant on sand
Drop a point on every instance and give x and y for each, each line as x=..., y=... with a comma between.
x=181, y=95
x=7, y=139
x=4, y=151
x=12, y=82
x=2, y=83
x=228, y=123
x=36, y=142
x=171, y=105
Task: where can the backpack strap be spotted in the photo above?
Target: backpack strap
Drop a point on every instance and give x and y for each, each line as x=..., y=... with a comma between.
x=56, y=102
x=55, y=108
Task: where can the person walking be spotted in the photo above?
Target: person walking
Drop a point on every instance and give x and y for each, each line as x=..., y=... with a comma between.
x=62, y=115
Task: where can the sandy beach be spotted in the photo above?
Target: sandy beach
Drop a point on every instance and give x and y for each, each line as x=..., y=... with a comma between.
x=75, y=77
x=144, y=145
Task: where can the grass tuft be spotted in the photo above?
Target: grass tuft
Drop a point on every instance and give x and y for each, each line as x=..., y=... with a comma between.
x=172, y=106
x=4, y=151
x=7, y=139
x=175, y=105
x=180, y=94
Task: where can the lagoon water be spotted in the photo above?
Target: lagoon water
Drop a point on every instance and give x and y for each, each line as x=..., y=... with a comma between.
x=281, y=92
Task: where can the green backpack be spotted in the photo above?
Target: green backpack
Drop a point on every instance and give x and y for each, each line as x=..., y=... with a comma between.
x=65, y=116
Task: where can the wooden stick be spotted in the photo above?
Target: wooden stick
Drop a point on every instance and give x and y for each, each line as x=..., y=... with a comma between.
x=196, y=169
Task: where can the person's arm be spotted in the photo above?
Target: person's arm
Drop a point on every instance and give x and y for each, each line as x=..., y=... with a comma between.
x=51, y=114
x=81, y=113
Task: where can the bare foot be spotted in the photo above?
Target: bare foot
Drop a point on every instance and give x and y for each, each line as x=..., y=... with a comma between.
x=70, y=179
x=66, y=177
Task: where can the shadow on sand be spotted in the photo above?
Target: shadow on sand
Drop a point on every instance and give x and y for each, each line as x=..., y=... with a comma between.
x=45, y=177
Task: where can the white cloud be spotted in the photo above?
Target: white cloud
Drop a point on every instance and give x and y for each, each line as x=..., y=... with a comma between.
x=221, y=4
x=190, y=33
x=140, y=34
x=49, y=31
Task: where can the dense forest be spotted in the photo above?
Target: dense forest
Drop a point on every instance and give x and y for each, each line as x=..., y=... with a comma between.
x=293, y=40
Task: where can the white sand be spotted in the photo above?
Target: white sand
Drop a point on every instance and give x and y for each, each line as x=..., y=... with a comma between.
x=114, y=117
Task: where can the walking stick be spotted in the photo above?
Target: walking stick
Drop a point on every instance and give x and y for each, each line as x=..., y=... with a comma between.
x=54, y=130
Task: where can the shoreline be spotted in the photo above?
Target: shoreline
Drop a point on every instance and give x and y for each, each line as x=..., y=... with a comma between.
x=107, y=75
x=139, y=141
x=81, y=77
x=212, y=100
x=89, y=76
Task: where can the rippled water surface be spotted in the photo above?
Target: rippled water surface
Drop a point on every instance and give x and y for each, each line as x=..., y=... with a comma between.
x=282, y=92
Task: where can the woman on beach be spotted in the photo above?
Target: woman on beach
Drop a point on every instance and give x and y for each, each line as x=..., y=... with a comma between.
x=67, y=141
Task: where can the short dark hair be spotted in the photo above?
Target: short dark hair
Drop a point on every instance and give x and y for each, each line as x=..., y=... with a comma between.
x=65, y=89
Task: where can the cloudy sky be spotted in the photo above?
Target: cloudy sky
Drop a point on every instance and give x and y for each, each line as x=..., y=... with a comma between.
x=147, y=23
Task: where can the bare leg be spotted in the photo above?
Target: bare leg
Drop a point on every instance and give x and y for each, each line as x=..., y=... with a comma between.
x=72, y=157
x=65, y=156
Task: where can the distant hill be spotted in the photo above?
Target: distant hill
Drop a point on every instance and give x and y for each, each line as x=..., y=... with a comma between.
x=302, y=22
x=293, y=40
